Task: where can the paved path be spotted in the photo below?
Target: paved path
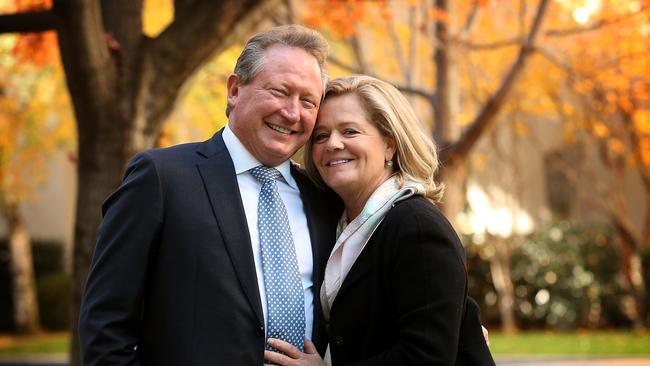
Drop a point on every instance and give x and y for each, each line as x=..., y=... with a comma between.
x=61, y=360
x=573, y=362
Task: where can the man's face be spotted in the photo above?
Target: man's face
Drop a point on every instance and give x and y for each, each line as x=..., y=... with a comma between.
x=274, y=114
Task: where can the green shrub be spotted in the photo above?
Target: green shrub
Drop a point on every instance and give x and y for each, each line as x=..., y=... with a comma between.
x=565, y=276
x=54, y=300
x=47, y=258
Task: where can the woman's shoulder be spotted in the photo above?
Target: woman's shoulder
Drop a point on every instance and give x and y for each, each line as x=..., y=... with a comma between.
x=415, y=206
x=418, y=214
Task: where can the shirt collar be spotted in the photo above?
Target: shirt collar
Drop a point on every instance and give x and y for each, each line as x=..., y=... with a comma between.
x=244, y=161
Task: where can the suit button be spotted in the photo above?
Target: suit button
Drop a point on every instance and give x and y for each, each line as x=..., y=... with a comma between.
x=337, y=340
x=260, y=331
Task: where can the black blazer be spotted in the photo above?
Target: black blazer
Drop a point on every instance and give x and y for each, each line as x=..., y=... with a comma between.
x=173, y=278
x=404, y=300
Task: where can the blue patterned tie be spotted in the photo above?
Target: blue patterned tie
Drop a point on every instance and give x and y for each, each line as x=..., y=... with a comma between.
x=284, y=293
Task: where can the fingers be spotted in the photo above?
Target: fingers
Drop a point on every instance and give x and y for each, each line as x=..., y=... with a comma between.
x=284, y=347
x=274, y=358
x=310, y=348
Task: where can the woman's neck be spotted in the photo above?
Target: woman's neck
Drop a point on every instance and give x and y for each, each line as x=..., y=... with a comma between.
x=355, y=200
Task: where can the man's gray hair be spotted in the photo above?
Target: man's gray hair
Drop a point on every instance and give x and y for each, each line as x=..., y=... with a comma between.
x=251, y=59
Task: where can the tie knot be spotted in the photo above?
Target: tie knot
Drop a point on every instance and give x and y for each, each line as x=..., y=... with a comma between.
x=265, y=174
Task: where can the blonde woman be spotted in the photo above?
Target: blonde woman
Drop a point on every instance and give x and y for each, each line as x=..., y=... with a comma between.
x=395, y=287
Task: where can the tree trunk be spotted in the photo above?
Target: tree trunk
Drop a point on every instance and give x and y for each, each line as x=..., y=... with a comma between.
x=123, y=86
x=633, y=273
x=500, y=270
x=446, y=110
x=22, y=270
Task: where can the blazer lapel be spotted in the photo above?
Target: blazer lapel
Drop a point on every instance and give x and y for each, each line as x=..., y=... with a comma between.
x=321, y=232
x=359, y=269
x=220, y=182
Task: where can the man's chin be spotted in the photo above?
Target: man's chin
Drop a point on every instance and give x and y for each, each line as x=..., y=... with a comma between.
x=275, y=158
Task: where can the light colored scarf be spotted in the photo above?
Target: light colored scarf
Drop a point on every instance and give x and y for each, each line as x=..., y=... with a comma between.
x=353, y=237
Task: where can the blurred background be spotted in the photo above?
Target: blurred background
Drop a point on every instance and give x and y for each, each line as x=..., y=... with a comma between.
x=541, y=111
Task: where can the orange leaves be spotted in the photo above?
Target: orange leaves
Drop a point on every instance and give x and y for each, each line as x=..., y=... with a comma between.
x=26, y=5
x=600, y=130
x=642, y=121
x=37, y=48
x=340, y=16
x=616, y=146
x=644, y=151
x=35, y=119
x=438, y=14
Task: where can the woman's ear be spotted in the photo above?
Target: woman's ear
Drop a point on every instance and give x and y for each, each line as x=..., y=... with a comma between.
x=391, y=148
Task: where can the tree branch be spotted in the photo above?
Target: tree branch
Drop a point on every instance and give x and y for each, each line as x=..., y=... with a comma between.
x=407, y=89
x=550, y=33
x=487, y=115
x=188, y=43
x=32, y=21
x=90, y=72
x=332, y=59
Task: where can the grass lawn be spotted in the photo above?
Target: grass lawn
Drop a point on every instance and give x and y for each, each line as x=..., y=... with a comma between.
x=525, y=343
x=45, y=343
x=571, y=344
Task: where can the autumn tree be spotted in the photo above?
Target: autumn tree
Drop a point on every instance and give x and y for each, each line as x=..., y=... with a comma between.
x=34, y=122
x=607, y=127
x=418, y=48
x=123, y=84
x=465, y=66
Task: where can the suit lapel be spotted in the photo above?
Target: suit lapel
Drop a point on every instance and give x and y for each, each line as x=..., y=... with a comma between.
x=321, y=232
x=220, y=182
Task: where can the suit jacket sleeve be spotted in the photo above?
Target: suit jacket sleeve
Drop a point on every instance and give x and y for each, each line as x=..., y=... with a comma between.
x=428, y=283
x=110, y=317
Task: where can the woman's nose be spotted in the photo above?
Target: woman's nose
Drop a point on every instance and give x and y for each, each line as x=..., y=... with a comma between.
x=334, y=142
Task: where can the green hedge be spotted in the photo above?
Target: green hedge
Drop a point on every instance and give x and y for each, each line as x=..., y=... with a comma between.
x=565, y=277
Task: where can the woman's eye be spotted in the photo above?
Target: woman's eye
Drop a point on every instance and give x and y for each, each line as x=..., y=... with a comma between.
x=320, y=137
x=350, y=132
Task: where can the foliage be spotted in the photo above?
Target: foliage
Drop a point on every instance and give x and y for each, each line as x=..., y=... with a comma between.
x=565, y=277
x=54, y=300
x=35, y=119
x=202, y=112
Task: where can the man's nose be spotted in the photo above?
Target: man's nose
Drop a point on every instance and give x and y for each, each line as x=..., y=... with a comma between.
x=291, y=110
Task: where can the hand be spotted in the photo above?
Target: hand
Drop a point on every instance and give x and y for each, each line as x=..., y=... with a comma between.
x=486, y=335
x=292, y=355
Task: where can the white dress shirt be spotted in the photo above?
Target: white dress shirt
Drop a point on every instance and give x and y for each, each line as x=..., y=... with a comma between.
x=249, y=189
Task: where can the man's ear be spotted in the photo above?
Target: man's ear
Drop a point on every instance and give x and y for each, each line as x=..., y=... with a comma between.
x=233, y=89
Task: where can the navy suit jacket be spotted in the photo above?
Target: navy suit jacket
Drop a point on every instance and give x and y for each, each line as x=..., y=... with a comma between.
x=173, y=279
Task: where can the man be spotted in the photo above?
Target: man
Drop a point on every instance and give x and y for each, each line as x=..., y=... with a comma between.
x=179, y=274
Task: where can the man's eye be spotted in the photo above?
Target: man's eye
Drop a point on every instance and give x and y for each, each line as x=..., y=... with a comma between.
x=307, y=103
x=278, y=92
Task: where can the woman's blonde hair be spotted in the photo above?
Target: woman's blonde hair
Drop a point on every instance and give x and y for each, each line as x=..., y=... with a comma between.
x=416, y=156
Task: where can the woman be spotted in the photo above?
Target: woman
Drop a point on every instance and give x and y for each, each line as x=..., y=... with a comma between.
x=395, y=288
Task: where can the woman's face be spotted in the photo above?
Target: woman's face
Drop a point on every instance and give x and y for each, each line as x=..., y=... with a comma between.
x=348, y=151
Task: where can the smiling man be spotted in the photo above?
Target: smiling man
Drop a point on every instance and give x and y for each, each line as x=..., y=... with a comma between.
x=186, y=270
